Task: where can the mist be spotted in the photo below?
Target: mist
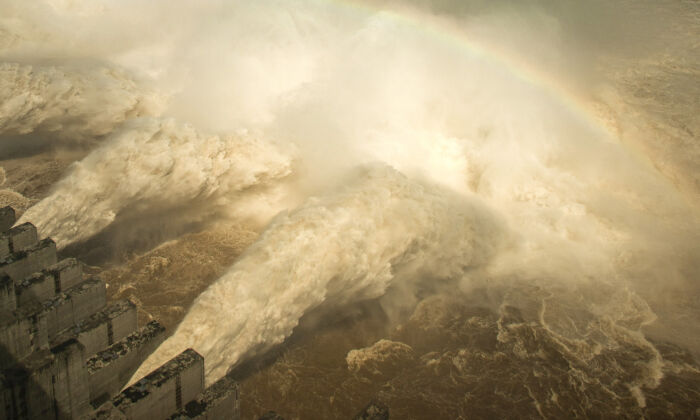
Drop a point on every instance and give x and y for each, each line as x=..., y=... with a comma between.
x=347, y=247
x=379, y=146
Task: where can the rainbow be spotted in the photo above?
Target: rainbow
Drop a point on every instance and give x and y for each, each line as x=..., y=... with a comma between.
x=454, y=37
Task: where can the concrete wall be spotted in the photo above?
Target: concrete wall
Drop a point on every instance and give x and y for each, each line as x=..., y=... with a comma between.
x=70, y=382
x=38, y=388
x=110, y=369
x=27, y=391
x=220, y=401
x=50, y=385
x=192, y=383
x=67, y=273
x=22, y=237
x=59, y=315
x=6, y=400
x=4, y=247
x=125, y=322
x=87, y=298
x=94, y=339
x=19, y=265
x=159, y=403
x=224, y=409
x=107, y=411
x=75, y=305
x=51, y=321
x=20, y=336
x=156, y=395
x=38, y=287
x=8, y=299
x=7, y=218
x=110, y=378
x=104, y=328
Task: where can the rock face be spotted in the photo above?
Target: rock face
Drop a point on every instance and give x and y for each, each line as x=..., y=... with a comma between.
x=376, y=410
x=65, y=350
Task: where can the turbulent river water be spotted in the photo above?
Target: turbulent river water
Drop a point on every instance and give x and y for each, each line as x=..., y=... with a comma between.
x=462, y=209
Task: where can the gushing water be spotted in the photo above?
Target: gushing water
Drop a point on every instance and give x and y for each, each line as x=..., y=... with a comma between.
x=487, y=175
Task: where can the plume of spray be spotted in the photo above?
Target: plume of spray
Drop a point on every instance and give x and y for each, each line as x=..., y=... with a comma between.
x=166, y=163
x=348, y=87
x=72, y=104
x=347, y=246
x=59, y=80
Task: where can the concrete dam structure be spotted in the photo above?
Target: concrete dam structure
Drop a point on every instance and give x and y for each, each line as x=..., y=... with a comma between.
x=67, y=353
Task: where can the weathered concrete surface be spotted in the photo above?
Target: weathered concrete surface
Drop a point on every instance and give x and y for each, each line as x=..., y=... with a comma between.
x=8, y=299
x=67, y=273
x=124, y=319
x=25, y=391
x=106, y=411
x=104, y=328
x=165, y=390
x=49, y=384
x=7, y=218
x=72, y=397
x=37, y=287
x=21, y=238
x=19, y=265
x=110, y=369
x=51, y=321
x=220, y=401
x=21, y=334
x=4, y=247
x=33, y=325
x=74, y=305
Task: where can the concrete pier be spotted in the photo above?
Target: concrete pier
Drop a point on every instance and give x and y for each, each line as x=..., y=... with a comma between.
x=65, y=350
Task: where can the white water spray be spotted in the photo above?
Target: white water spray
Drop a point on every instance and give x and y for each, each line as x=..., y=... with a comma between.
x=71, y=104
x=349, y=246
x=348, y=86
x=167, y=164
